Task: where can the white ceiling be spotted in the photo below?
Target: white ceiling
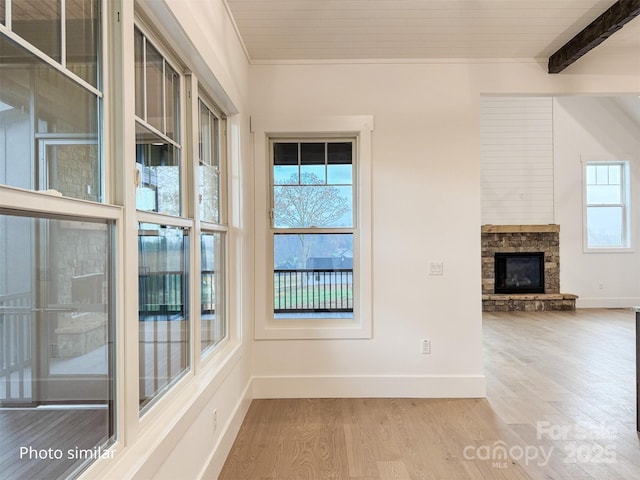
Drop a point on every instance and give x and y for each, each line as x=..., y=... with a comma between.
x=276, y=30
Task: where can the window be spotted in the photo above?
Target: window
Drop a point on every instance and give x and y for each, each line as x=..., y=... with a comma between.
x=163, y=307
x=57, y=278
x=606, y=205
x=56, y=339
x=211, y=204
x=164, y=256
x=209, y=146
x=50, y=105
x=313, y=227
x=158, y=160
x=213, y=327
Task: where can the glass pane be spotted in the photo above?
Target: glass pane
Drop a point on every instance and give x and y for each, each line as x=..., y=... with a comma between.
x=312, y=175
x=56, y=342
x=213, y=323
x=155, y=91
x=3, y=18
x=205, y=135
x=339, y=153
x=158, y=168
x=313, y=275
x=615, y=174
x=209, y=194
x=172, y=98
x=286, y=174
x=302, y=206
x=339, y=174
x=163, y=292
x=73, y=168
x=604, y=194
x=285, y=153
x=312, y=153
x=82, y=24
x=40, y=24
x=604, y=227
x=35, y=100
x=139, y=69
x=602, y=174
x=591, y=175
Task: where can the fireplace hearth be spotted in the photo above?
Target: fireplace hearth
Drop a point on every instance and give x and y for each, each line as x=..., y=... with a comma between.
x=521, y=269
x=519, y=272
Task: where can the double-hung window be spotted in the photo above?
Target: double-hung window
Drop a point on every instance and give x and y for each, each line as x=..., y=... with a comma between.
x=314, y=224
x=57, y=273
x=606, y=215
x=211, y=152
x=164, y=254
x=313, y=227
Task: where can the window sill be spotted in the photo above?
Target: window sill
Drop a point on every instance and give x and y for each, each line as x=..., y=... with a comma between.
x=609, y=250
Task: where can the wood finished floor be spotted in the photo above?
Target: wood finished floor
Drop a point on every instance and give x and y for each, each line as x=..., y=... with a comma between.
x=560, y=389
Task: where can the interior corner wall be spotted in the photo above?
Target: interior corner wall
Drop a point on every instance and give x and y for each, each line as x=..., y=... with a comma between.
x=426, y=207
x=594, y=127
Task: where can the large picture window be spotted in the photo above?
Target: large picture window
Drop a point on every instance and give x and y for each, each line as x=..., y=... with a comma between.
x=313, y=224
x=606, y=205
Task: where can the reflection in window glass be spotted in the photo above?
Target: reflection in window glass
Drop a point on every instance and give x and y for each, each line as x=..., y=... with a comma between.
x=158, y=170
x=139, y=73
x=213, y=323
x=313, y=274
x=36, y=100
x=209, y=148
x=172, y=102
x=163, y=291
x=40, y=24
x=3, y=19
x=82, y=32
x=154, y=88
x=56, y=340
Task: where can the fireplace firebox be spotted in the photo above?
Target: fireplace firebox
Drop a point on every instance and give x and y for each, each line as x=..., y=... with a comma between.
x=519, y=272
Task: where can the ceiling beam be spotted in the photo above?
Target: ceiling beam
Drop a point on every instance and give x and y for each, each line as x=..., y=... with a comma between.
x=594, y=34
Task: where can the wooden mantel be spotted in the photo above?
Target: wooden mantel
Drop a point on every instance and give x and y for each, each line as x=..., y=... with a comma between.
x=550, y=228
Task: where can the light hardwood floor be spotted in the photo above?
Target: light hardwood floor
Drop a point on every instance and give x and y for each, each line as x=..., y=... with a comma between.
x=561, y=403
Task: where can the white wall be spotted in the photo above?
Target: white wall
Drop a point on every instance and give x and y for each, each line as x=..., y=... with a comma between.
x=426, y=207
x=516, y=160
x=594, y=128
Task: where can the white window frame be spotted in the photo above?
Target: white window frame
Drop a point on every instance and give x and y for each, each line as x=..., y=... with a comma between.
x=358, y=127
x=204, y=226
x=625, y=205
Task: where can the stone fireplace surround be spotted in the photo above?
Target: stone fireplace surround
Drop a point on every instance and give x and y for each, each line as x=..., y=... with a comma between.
x=524, y=238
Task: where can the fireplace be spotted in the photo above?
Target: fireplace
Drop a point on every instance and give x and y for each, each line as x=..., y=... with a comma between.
x=521, y=272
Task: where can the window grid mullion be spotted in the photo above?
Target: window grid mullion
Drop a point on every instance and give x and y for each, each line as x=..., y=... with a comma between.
x=63, y=33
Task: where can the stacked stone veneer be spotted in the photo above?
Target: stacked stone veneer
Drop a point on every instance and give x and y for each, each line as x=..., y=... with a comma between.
x=523, y=238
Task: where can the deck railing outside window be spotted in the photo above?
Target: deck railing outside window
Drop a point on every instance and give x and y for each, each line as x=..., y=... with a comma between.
x=313, y=290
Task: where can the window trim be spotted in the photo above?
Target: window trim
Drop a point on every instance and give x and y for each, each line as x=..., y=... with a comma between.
x=358, y=128
x=627, y=224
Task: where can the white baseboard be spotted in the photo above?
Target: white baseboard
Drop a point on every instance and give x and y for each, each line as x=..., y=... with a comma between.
x=419, y=386
x=218, y=456
x=620, y=302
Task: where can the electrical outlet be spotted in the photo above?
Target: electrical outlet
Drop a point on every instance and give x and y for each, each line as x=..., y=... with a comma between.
x=425, y=346
x=215, y=420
